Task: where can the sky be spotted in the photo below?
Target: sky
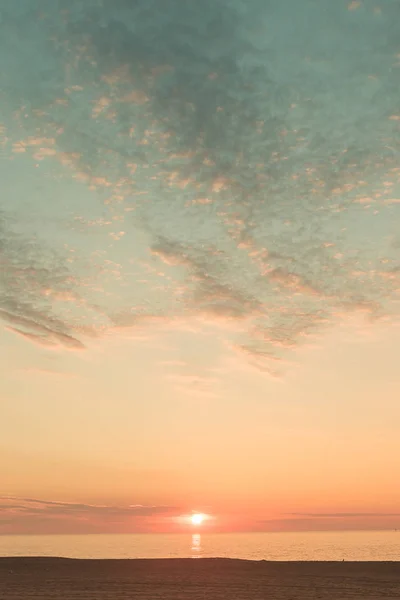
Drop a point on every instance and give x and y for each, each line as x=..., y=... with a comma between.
x=199, y=265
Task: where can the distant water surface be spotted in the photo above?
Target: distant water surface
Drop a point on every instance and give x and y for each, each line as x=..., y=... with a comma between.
x=350, y=546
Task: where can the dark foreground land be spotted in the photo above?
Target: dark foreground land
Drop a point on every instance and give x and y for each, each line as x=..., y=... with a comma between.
x=195, y=579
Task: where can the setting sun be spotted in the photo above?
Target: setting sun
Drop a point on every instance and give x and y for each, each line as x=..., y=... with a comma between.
x=197, y=519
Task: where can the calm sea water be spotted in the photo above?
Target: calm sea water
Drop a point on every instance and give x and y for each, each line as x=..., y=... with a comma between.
x=365, y=545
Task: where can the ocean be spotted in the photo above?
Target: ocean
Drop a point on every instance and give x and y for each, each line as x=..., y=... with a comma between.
x=304, y=546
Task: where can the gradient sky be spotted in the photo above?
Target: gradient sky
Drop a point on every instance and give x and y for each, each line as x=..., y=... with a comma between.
x=199, y=265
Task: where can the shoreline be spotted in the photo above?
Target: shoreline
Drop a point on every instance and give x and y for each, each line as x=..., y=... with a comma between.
x=198, y=579
x=188, y=559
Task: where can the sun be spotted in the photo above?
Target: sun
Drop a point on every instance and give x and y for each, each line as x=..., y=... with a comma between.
x=197, y=518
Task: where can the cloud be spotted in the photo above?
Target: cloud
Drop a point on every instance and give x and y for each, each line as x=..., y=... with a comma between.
x=47, y=372
x=26, y=514
x=345, y=515
x=48, y=338
x=195, y=385
x=263, y=199
x=207, y=267
x=30, y=274
x=330, y=522
x=43, y=507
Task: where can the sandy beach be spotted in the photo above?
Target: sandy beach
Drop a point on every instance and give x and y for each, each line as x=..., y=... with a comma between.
x=178, y=579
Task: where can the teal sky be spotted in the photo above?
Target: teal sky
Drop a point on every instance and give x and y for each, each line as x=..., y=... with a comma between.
x=199, y=265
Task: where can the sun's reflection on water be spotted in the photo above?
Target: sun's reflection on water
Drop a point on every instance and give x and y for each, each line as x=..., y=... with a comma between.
x=196, y=545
